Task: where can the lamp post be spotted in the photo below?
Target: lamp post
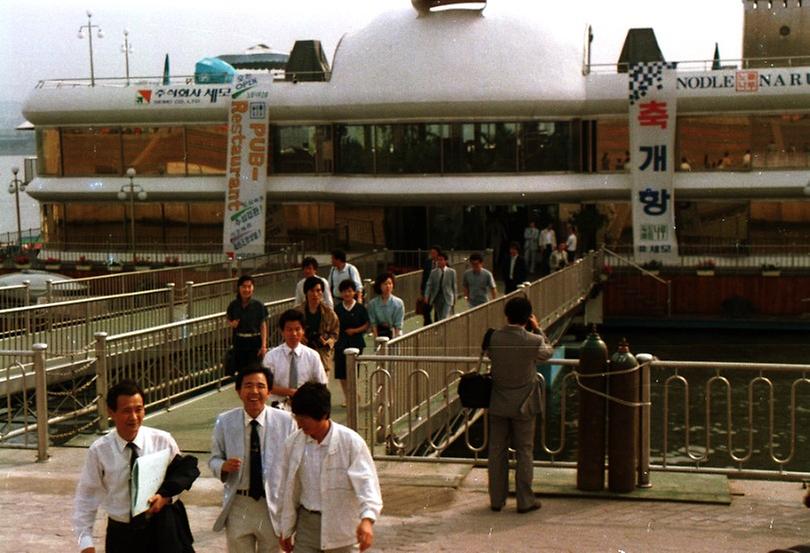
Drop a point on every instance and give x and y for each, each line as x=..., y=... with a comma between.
x=126, y=48
x=128, y=191
x=15, y=187
x=100, y=34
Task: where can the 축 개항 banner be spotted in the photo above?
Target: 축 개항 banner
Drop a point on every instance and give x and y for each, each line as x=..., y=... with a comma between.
x=652, y=144
x=245, y=195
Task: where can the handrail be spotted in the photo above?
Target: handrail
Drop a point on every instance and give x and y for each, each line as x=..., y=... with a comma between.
x=636, y=265
x=667, y=283
x=771, y=62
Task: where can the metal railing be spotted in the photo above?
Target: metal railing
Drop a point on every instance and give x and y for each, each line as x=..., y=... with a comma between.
x=171, y=362
x=460, y=335
x=738, y=419
x=734, y=255
x=68, y=326
x=771, y=62
x=214, y=296
x=126, y=282
x=15, y=296
x=613, y=259
x=26, y=236
x=23, y=415
x=750, y=419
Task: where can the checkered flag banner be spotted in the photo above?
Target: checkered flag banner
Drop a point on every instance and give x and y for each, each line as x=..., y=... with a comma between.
x=645, y=76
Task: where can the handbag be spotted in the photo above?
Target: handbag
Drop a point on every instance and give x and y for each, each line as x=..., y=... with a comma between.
x=475, y=387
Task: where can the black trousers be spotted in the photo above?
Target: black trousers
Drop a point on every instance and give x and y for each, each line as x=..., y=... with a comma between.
x=127, y=537
x=246, y=350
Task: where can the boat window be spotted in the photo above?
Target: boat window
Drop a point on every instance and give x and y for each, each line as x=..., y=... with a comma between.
x=91, y=151
x=355, y=149
x=548, y=146
x=408, y=148
x=302, y=149
x=717, y=142
x=612, y=145
x=206, y=147
x=154, y=150
x=49, y=157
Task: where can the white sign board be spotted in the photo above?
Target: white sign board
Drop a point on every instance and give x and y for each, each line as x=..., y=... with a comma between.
x=652, y=145
x=245, y=197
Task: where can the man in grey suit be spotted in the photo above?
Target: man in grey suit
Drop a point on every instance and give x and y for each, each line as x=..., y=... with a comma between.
x=515, y=402
x=441, y=288
x=246, y=454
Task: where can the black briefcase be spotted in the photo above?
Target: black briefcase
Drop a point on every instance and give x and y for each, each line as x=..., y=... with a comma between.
x=475, y=389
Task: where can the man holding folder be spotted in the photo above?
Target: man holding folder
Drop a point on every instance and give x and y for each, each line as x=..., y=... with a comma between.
x=106, y=480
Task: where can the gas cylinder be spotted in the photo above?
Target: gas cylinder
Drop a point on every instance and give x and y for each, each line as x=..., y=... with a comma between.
x=622, y=420
x=593, y=359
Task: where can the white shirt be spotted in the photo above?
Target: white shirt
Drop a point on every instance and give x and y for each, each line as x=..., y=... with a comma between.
x=105, y=478
x=244, y=482
x=310, y=471
x=337, y=276
x=308, y=364
x=571, y=243
x=350, y=490
x=300, y=297
x=548, y=238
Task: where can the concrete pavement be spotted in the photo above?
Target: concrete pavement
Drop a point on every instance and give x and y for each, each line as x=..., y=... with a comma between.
x=442, y=507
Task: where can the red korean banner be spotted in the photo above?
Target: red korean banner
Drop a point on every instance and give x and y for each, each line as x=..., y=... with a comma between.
x=245, y=195
x=652, y=158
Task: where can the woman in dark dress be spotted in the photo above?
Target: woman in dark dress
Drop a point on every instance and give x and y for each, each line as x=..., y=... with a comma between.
x=354, y=323
x=247, y=317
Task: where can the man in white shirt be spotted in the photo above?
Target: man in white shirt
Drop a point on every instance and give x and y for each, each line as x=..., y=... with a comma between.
x=292, y=363
x=309, y=268
x=571, y=243
x=548, y=242
x=246, y=454
x=330, y=495
x=105, y=478
x=340, y=271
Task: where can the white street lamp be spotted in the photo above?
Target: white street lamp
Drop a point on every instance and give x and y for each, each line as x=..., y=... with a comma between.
x=100, y=34
x=15, y=187
x=126, y=48
x=129, y=191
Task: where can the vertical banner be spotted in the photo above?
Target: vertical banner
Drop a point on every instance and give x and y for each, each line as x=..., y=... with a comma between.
x=246, y=197
x=652, y=145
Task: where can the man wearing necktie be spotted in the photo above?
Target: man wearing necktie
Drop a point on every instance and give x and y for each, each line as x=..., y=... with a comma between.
x=105, y=478
x=246, y=456
x=292, y=363
x=441, y=288
x=514, y=270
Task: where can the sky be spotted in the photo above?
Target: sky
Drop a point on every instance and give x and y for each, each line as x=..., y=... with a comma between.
x=38, y=38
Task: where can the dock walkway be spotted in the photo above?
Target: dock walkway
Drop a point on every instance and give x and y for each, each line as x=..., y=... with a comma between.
x=432, y=507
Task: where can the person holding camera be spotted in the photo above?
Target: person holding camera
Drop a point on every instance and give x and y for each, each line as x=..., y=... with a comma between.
x=321, y=324
x=515, y=403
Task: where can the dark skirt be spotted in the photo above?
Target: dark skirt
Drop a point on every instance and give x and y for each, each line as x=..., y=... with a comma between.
x=340, y=363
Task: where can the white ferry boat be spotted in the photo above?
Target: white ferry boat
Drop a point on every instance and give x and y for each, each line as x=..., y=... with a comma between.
x=454, y=126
